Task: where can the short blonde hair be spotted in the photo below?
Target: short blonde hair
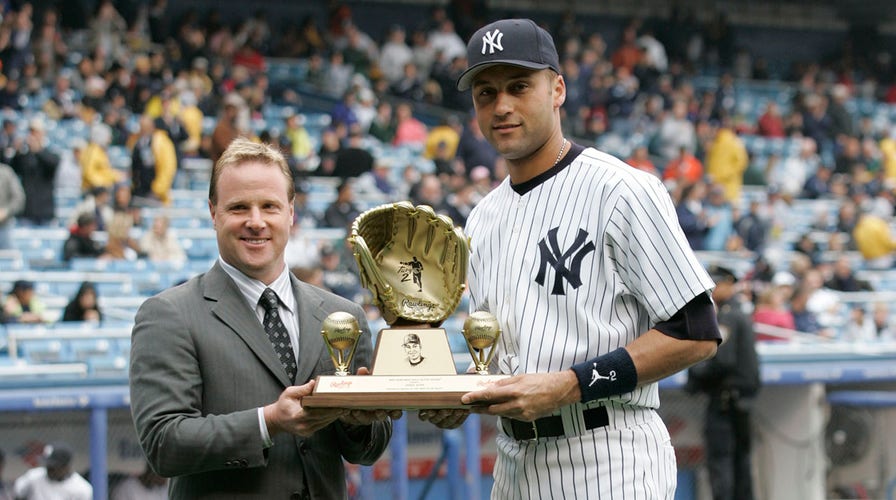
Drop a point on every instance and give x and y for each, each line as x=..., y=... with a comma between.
x=243, y=150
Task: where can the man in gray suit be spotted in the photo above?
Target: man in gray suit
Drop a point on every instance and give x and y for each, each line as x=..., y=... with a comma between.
x=212, y=399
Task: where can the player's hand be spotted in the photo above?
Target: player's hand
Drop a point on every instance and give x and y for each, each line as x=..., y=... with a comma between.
x=444, y=419
x=367, y=417
x=526, y=397
x=288, y=415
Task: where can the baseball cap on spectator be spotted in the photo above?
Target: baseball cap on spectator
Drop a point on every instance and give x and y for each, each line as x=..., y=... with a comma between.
x=783, y=278
x=37, y=125
x=57, y=455
x=327, y=249
x=721, y=273
x=517, y=42
x=21, y=286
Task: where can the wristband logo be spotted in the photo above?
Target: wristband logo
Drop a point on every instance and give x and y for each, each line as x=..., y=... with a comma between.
x=595, y=376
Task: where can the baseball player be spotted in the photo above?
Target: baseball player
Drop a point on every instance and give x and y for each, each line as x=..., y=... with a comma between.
x=598, y=295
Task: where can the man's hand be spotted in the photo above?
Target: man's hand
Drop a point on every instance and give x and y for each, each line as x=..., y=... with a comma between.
x=444, y=419
x=367, y=417
x=288, y=415
x=526, y=397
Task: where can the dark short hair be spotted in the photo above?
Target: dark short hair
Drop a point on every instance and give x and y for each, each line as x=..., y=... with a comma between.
x=85, y=219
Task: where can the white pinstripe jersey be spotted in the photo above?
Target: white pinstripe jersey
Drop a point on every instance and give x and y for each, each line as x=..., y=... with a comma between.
x=575, y=267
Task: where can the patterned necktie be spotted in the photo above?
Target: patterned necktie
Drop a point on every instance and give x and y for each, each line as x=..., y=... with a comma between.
x=277, y=332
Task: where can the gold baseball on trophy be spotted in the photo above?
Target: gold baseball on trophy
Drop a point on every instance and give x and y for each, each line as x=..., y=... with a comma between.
x=481, y=331
x=341, y=331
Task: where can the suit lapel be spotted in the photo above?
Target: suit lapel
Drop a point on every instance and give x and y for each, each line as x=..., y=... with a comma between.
x=311, y=317
x=231, y=308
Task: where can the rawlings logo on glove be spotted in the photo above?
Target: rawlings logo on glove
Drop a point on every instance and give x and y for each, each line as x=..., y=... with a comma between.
x=412, y=260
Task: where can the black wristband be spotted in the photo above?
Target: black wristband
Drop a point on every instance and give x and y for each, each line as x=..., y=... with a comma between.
x=608, y=375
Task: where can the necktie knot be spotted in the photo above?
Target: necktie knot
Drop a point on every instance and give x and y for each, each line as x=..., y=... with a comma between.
x=268, y=300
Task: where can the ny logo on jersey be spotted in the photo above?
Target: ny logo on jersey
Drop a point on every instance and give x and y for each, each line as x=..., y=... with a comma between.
x=491, y=40
x=558, y=260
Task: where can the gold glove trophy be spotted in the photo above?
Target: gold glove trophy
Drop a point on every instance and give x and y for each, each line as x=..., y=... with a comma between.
x=414, y=262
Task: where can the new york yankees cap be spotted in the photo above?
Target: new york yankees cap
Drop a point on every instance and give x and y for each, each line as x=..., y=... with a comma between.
x=518, y=42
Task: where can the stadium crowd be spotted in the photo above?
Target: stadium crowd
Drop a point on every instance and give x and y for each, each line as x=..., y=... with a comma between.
x=171, y=92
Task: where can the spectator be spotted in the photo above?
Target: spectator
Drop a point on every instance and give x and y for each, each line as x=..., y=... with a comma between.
x=343, y=112
x=817, y=185
x=719, y=219
x=731, y=380
x=428, y=191
x=408, y=130
x=159, y=244
x=125, y=216
x=342, y=211
x=297, y=135
x=80, y=243
x=383, y=125
x=410, y=85
x=752, y=228
x=353, y=160
x=691, y=218
x=22, y=305
x=227, y=128
x=96, y=169
x=337, y=75
x=770, y=123
x=805, y=320
x=55, y=480
x=36, y=167
x=684, y=169
x=330, y=145
x=395, y=54
x=823, y=302
x=153, y=164
x=792, y=173
x=378, y=183
x=337, y=277
x=445, y=41
x=301, y=251
x=95, y=202
x=859, y=327
x=12, y=201
x=843, y=278
x=726, y=161
x=771, y=309
x=875, y=241
x=191, y=117
x=474, y=150
x=881, y=317
x=84, y=306
x=446, y=133
x=675, y=133
x=145, y=486
x=627, y=54
x=640, y=159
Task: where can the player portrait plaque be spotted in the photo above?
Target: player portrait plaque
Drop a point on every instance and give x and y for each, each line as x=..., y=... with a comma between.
x=414, y=262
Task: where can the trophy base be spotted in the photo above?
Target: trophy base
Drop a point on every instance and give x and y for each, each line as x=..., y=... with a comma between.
x=385, y=392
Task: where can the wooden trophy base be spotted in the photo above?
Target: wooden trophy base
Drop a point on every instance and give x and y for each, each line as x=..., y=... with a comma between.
x=402, y=378
x=387, y=392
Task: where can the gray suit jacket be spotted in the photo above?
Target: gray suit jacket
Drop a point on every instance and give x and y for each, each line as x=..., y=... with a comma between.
x=201, y=365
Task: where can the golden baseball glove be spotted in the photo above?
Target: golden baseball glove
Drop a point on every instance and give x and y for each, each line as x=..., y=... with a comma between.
x=412, y=260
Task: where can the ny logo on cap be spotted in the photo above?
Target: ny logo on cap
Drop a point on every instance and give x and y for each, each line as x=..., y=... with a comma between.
x=492, y=40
